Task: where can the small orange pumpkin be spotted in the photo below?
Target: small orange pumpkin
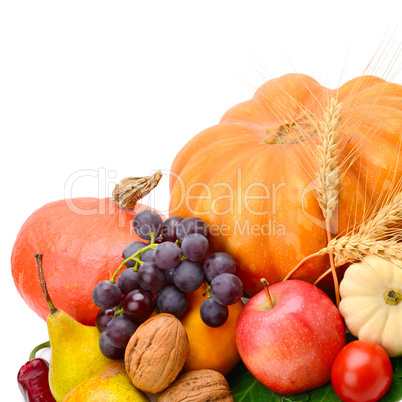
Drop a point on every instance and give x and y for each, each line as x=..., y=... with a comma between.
x=81, y=240
x=252, y=177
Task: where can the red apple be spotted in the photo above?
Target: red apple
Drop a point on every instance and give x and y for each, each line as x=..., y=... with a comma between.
x=290, y=347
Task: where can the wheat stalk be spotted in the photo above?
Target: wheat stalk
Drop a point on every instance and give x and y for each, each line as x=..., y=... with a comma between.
x=327, y=157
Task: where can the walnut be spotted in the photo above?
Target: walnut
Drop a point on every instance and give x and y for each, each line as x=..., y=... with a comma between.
x=156, y=353
x=198, y=386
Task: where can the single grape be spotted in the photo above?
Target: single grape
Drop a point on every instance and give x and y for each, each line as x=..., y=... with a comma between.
x=108, y=349
x=226, y=289
x=218, y=263
x=195, y=247
x=138, y=304
x=169, y=228
x=131, y=249
x=169, y=276
x=145, y=222
x=213, y=314
x=106, y=294
x=147, y=255
x=119, y=330
x=151, y=278
x=167, y=255
x=191, y=225
x=103, y=318
x=172, y=301
x=188, y=276
x=128, y=281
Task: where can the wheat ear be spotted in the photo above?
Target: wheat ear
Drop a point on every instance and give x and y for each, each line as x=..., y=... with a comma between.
x=383, y=220
x=355, y=248
x=328, y=158
x=369, y=238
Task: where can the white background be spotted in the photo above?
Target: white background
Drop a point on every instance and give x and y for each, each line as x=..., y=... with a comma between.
x=115, y=89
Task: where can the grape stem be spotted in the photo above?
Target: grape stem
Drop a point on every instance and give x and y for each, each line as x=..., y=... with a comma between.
x=135, y=258
x=207, y=290
x=137, y=262
x=118, y=310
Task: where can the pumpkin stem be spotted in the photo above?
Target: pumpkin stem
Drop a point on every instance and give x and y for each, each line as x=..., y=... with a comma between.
x=42, y=281
x=301, y=129
x=393, y=296
x=131, y=189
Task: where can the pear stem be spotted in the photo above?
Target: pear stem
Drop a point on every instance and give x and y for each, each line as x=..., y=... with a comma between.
x=39, y=347
x=265, y=284
x=39, y=266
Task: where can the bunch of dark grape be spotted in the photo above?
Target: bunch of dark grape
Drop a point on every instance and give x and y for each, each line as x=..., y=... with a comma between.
x=172, y=261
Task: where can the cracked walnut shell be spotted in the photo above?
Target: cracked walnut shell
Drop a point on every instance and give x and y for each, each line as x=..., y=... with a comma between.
x=156, y=353
x=198, y=386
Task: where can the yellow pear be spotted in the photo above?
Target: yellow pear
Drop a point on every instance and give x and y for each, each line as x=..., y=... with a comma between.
x=112, y=384
x=75, y=353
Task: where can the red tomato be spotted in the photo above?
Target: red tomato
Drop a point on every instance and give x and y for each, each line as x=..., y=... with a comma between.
x=362, y=372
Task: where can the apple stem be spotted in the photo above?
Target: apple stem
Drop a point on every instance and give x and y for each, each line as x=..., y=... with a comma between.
x=265, y=284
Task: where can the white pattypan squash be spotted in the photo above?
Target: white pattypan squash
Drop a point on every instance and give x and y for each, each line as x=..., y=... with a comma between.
x=371, y=303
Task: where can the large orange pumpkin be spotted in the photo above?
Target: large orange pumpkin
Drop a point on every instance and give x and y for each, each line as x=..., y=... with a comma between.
x=252, y=176
x=81, y=240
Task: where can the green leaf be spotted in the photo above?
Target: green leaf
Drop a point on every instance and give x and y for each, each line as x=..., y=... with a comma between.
x=398, y=366
x=324, y=393
x=394, y=393
x=246, y=388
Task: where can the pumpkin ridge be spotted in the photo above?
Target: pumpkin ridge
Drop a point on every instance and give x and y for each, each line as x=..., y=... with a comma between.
x=356, y=86
x=208, y=138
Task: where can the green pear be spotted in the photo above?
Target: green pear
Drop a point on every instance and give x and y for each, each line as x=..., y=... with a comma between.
x=112, y=384
x=75, y=353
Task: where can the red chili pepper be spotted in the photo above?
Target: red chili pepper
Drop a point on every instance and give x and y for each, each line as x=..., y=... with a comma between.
x=33, y=378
